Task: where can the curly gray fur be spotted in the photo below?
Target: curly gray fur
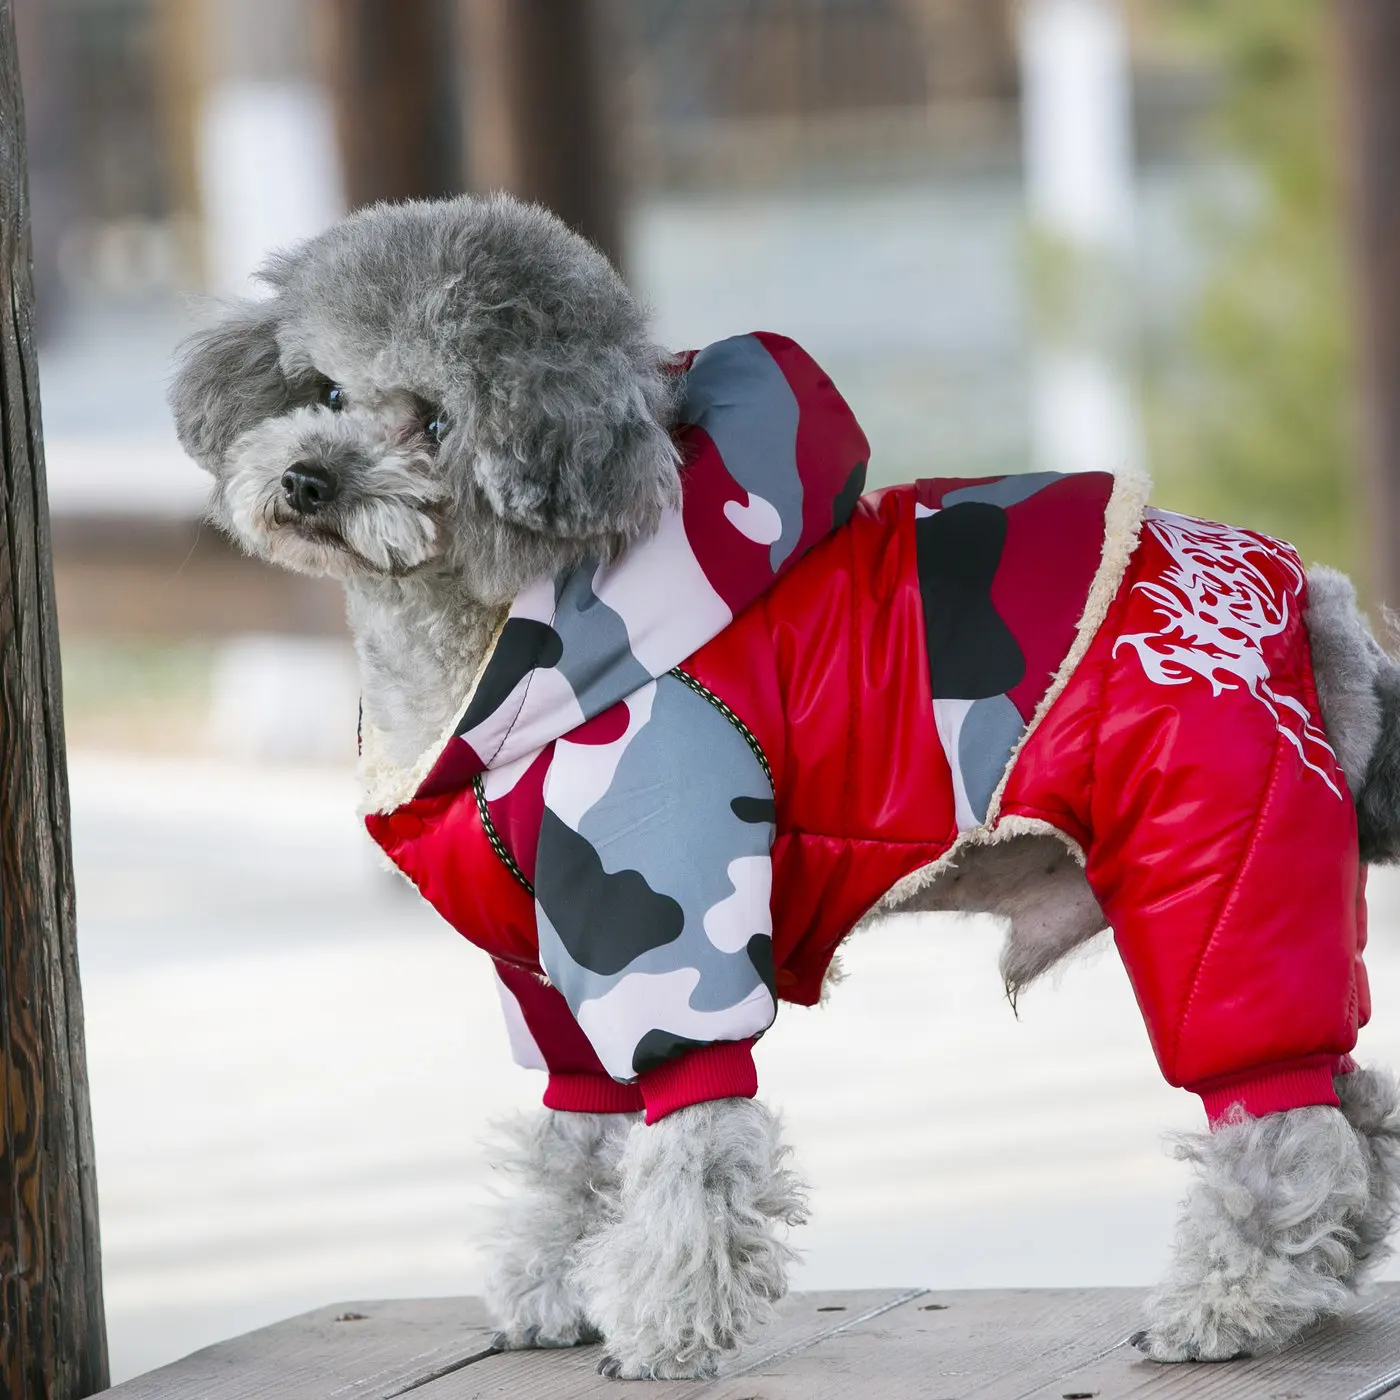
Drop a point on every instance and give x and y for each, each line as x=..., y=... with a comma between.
x=488, y=315
x=1358, y=690
x=1285, y=1213
x=1371, y=1104
x=690, y=1263
x=563, y=1167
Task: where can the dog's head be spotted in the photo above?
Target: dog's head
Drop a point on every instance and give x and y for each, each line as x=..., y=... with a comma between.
x=465, y=383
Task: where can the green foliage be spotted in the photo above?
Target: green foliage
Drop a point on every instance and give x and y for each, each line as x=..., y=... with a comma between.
x=1251, y=419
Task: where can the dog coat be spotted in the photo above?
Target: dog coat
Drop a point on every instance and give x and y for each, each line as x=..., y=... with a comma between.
x=681, y=778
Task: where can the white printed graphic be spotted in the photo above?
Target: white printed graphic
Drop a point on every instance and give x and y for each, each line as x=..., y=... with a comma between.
x=1219, y=607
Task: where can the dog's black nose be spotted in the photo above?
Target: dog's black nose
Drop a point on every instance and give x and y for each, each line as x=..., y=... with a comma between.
x=309, y=487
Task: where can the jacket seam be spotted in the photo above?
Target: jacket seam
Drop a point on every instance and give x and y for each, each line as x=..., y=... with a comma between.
x=856, y=651
x=494, y=837
x=1230, y=896
x=524, y=696
x=747, y=734
x=939, y=843
x=1316, y=1059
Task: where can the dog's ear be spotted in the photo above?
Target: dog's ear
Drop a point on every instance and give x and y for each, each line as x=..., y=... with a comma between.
x=576, y=446
x=227, y=379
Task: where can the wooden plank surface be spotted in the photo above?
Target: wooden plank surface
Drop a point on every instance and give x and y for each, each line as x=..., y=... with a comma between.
x=1054, y=1344
x=806, y=1321
x=354, y=1351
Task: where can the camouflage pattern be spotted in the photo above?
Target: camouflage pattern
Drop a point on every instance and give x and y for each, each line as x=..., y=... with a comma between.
x=989, y=587
x=757, y=496
x=653, y=879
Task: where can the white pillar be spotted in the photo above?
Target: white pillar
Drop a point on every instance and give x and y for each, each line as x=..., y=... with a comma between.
x=269, y=171
x=1076, y=114
x=268, y=164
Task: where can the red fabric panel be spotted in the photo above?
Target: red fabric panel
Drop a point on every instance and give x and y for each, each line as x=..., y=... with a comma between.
x=564, y=1046
x=1054, y=540
x=517, y=814
x=828, y=884
x=439, y=843
x=1226, y=868
x=847, y=636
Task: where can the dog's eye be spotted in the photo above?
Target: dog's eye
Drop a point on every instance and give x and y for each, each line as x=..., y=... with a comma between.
x=332, y=396
x=436, y=426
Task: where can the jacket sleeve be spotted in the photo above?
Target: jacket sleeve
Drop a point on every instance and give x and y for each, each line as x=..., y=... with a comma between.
x=652, y=887
x=1224, y=838
x=544, y=1035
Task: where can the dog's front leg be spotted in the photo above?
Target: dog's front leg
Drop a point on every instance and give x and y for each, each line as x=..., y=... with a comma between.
x=564, y=1169
x=690, y=1262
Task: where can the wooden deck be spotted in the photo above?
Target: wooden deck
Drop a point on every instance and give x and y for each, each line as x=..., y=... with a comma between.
x=1068, y=1344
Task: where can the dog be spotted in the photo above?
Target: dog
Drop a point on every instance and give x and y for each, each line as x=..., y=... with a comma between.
x=657, y=707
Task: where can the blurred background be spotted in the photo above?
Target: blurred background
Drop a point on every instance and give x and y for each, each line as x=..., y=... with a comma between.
x=1067, y=234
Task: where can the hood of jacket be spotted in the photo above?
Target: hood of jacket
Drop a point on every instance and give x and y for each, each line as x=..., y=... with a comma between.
x=773, y=461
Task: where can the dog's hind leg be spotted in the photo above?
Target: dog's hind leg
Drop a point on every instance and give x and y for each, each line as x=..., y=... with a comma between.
x=1272, y=1235
x=564, y=1167
x=691, y=1263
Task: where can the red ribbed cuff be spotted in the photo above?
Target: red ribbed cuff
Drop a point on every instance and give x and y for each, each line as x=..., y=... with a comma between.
x=591, y=1093
x=724, y=1070
x=1301, y=1085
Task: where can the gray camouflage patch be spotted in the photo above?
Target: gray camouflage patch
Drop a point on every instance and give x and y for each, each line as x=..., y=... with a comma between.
x=596, y=655
x=990, y=732
x=1004, y=492
x=641, y=924
x=755, y=430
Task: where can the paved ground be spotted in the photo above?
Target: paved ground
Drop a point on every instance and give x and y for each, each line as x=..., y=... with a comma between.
x=293, y=1062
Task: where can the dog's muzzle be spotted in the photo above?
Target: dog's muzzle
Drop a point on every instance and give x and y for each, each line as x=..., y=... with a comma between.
x=308, y=487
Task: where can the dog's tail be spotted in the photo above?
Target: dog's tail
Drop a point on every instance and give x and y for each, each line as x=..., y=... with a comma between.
x=1358, y=688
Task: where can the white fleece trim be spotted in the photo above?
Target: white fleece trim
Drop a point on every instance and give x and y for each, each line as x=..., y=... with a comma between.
x=385, y=785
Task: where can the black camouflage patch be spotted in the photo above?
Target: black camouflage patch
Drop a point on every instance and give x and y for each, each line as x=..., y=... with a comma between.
x=760, y=951
x=844, y=506
x=603, y=920
x=523, y=646
x=972, y=653
x=655, y=1048
x=755, y=810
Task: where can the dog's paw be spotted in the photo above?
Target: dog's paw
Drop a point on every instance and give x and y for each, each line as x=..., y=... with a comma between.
x=1160, y=1345
x=698, y=1366
x=581, y=1334
x=1217, y=1319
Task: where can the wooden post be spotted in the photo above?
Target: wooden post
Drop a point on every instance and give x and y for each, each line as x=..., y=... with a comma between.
x=391, y=68
x=52, y=1335
x=1371, y=53
x=539, y=115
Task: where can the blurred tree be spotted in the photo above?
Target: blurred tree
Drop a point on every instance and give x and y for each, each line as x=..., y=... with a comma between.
x=1371, y=45
x=392, y=74
x=540, y=119
x=1254, y=422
